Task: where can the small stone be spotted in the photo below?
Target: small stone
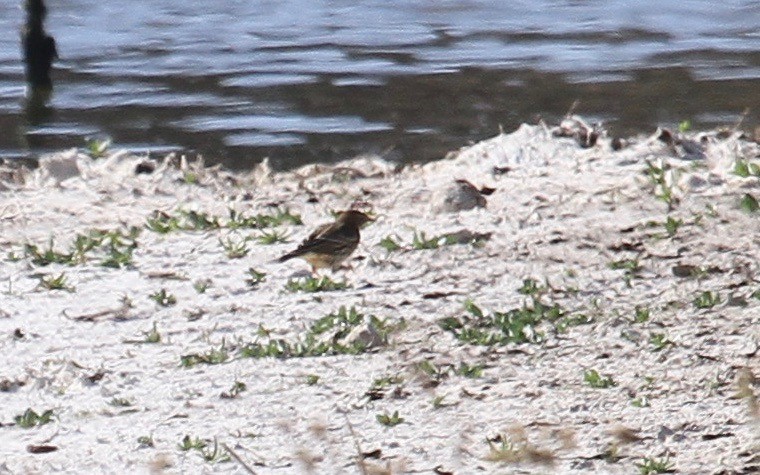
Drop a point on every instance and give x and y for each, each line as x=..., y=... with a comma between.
x=365, y=335
x=458, y=196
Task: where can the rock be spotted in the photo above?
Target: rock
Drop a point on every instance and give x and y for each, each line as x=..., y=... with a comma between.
x=458, y=196
x=365, y=335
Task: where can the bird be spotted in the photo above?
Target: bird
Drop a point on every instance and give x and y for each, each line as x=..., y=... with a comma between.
x=332, y=243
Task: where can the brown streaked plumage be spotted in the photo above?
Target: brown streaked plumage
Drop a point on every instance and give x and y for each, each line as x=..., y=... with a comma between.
x=330, y=244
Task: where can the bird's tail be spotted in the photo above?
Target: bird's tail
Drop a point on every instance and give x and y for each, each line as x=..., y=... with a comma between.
x=286, y=257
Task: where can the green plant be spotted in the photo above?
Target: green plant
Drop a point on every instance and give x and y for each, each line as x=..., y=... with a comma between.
x=260, y=221
x=389, y=420
x=163, y=298
x=56, y=283
x=271, y=237
x=707, y=299
x=97, y=148
x=145, y=441
x=312, y=379
x=659, y=341
x=322, y=338
x=502, y=449
x=641, y=314
x=152, y=336
x=519, y=325
x=189, y=443
x=662, y=184
x=30, y=418
x=684, y=126
x=749, y=204
x=745, y=168
x=255, y=277
x=389, y=244
x=596, y=380
x=469, y=371
x=162, y=223
x=211, y=357
x=631, y=268
x=649, y=466
x=313, y=284
x=237, y=388
x=201, y=285
x=47, y=256
x=671, y=225
x=235, y=249
x=642, y=401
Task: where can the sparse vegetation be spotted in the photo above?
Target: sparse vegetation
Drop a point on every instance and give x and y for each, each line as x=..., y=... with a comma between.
x=234, y=248
x=596, y=380
x=255, y=277
x=213, y=356
x=163, y=298
x=631, y=267
x=237, y=388
x=662, y=179
x=707, y=299
x=519, y=325
x=114, y=248
x=649, y=466
x=389, y=420
x=30, y=418
x=314, y=284
x=50, y=282
x=324, y=337
x=749, y=204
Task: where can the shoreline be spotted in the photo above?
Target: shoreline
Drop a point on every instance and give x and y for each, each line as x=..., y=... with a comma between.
x=593, y=310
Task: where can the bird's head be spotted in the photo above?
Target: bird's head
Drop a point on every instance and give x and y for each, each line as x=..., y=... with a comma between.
x=354, y=217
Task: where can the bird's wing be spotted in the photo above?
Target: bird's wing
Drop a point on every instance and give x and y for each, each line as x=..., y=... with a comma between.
x=318, y=240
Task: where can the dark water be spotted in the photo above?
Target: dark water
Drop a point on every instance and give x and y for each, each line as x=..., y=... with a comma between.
x=307, y=80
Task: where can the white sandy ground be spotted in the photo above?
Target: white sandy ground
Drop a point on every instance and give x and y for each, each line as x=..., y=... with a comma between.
x=559, y=214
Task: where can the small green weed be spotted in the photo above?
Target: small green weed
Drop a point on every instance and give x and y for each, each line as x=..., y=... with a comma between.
x=152, y=336
x=255, y=277
x=163, y=298
x=649, y=466
x=322, y=338
x=631, y=267
x=314, y=284
x=234, y=248
x=30, y=418
x=594, y=379
x=641, y=314
x=211, y=357
x=271, y=237
x=389, y=420
x=745, y=169
x=659, y=341
x=390, y=244
x=50, y=282
x=145, y=441
x=749, y=204
x=518, y=325
x=237, y=388
x=201, y=285
x=97, y=148
x=707, y=299
x=260, y=221
x=662, y=184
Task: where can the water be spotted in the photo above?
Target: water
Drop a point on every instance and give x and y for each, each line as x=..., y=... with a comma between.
x=307, y=80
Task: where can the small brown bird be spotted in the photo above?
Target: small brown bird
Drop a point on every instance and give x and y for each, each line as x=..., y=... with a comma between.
x=331, y=244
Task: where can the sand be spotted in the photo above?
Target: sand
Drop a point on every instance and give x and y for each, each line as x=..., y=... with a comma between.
x=672, y=328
